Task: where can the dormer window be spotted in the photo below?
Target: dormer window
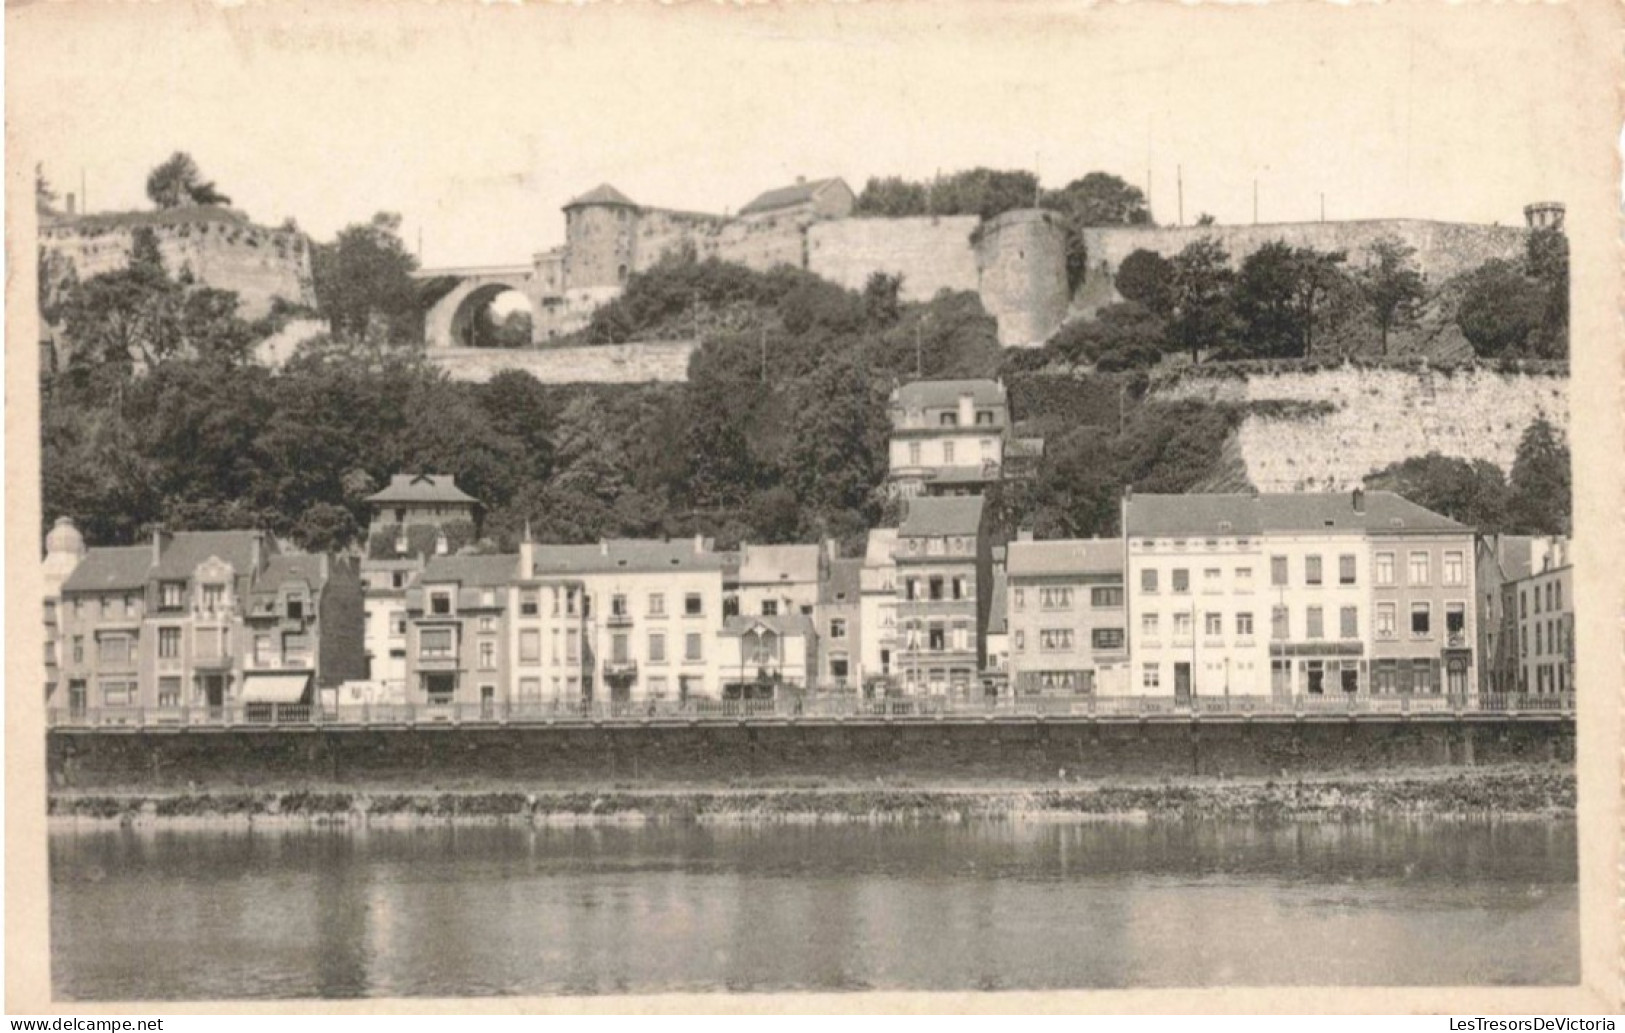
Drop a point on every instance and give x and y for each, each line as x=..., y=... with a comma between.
x=214, y=598
x=984, y=417
x=172, y=596
x=948, y=419
x=401, y=543
x=440, y=603
x=295, y=608
x=440, y=544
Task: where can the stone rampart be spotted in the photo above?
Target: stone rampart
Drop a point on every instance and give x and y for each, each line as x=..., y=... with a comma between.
x=1443, y=249
x=931, y=253
x=1327, y=429
x=961, y=752
x=219, y=249
x=647, y=363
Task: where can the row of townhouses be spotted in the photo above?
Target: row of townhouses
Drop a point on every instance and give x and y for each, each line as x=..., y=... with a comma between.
x=1202, y=595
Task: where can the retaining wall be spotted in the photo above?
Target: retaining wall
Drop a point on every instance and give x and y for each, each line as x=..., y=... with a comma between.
x=646, y=363
x=449, y=757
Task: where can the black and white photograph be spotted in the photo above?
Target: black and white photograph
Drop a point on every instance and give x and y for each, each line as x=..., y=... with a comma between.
x=544, y=502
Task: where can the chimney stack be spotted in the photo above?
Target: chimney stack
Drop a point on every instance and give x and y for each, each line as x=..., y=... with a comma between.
x=1359, y=500
x=1025, y=534
x=699, y=544
x=160, y=540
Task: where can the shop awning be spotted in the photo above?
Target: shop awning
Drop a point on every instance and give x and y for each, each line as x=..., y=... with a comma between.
x=275, y=688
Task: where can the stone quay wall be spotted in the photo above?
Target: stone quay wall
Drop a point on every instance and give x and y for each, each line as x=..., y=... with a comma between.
x=1033, y=751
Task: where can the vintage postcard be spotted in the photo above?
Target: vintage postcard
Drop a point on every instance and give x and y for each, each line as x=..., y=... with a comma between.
x=840, y=507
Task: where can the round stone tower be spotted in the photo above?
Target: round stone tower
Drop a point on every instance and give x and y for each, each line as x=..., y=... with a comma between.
x=1021, y=271
x=64, y=548
x=1544, y=215
x=599, y=228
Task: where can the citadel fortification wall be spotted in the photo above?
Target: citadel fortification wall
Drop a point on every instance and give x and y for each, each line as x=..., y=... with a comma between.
x=1021, y=266
x=647, y=363
x=1339, y=425
x=931, y=253
x=220, y=249
x=1443, y=249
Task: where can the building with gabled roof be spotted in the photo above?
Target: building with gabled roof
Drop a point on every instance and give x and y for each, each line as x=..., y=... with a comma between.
x=1313, y=594
x=948, y=437
x=839, y=619
x=825, y=198
x=945, y=583
x=414, y=517
x=767, y=657
x=202, y=625
x=1066, y=617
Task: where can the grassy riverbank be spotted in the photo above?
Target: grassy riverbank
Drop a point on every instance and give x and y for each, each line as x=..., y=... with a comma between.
x=1524, y=792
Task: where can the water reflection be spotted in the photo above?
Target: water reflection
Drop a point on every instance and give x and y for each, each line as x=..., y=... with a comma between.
x=463, y=911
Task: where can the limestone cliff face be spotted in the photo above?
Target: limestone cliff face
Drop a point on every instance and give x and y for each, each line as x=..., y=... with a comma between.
x=217, y=247
x=1327, y=429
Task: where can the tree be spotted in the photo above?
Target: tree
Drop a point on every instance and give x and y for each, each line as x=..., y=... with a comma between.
x=45, y=197
x=984, y=192
x=891, y=197
x=1501, y=310
x=1120, y=337
x=178, y=182
x=1078, y=486
x=1147, y=278
x=1279, y=294
x=881, y=294
x=1542, y=489
x=1391, y=285
x=1202, y=315
x=1100, y=199
x=1206, y=219
x=1474, y=493
x=364, y=283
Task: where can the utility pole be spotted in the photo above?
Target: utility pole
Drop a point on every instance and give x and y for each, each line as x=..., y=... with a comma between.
x=1322, y=206
x=1255, y=200
x=919, y=362
x=764, y=354
x=1179, y=171
x=84, y=198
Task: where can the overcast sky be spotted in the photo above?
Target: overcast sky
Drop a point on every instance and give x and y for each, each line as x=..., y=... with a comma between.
x=477, y=123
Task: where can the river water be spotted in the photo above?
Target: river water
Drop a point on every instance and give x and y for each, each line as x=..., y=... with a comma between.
x=185, y=914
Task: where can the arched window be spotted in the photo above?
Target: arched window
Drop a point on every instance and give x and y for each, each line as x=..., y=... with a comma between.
x=621, y=273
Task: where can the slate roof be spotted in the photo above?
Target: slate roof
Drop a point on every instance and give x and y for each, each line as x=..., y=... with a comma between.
x=998, y=613
x=422, y=487
x=603, y=193
x=1152, y=516
x=786, y=197
x=952, y=514
x=1515, y=554
x=787, y=624
x=1066, y=556
x=484, y=571
x=110, y=569
x=187, y=549
x=843, y=586
x=776, y=564
x=632, y=555
x=941, y=394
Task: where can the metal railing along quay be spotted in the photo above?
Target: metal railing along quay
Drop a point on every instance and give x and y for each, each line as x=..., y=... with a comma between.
x=821, y=709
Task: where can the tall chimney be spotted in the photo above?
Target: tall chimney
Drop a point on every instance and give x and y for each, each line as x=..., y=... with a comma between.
x=1359, y=500
x=160, y=539
x=699, y=544
x=255, y=550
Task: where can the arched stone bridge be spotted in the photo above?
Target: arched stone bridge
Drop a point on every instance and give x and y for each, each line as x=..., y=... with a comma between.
x=448, y=321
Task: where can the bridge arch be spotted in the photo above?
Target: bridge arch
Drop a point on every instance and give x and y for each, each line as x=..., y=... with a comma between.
x=449, y=321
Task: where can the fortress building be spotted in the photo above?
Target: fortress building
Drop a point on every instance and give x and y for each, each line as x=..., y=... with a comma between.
x=1015, y=262
x=213, y=246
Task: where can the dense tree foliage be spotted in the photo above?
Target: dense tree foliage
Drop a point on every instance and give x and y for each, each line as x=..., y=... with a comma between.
x=1392, y=286
x=178, y=182
x=364, y=286
x=1520, y=308
x=1535, y=499
x=1280, y=297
